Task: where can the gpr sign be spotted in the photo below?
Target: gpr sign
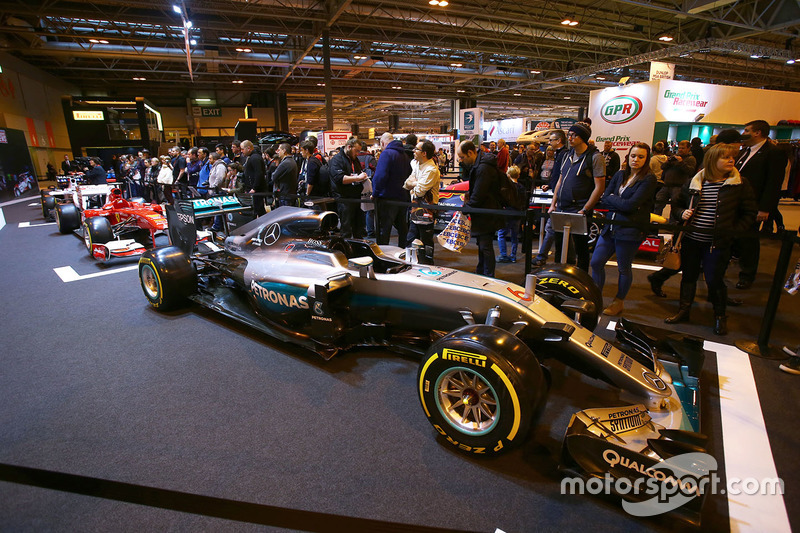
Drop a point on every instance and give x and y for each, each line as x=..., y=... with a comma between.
x=621, y=109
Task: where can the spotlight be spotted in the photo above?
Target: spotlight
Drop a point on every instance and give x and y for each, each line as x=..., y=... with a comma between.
x=139, y=79
x=320, y=85
x=455, y=64
x=176, y=9
x=517, y=94
x=188, y=24
x=665, y=38
x=244, y=50
x=237, y=81
x=461, y=91
x=193, y=42
x=536, y=72
x=790, y=62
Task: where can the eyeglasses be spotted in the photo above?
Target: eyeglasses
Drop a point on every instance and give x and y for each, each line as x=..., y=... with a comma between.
x=570, y=134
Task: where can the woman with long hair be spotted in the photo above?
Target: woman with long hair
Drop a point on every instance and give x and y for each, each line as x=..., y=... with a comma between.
x=722, y=205
x=628, y=198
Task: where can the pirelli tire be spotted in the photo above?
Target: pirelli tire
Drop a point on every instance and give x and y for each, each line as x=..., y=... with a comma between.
x=563, y=282
x=167, y=277
x=67, y=218
x=96, y=230
x=48, y=205
x=481, y=389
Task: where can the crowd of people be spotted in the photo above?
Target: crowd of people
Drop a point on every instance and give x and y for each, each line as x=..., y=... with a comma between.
x=721, y=193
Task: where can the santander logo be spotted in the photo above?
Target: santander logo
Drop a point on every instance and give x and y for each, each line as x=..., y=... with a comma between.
x=621, y=109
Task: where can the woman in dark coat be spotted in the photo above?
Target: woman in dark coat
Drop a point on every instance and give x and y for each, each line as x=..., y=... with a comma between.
x=719, y=201
x=628, y=198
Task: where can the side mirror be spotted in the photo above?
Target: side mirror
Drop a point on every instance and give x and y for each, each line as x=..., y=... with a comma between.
x=364, y=266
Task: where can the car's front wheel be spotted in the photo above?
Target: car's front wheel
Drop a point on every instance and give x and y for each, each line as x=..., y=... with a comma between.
x=481, y=387
x=48, y=204
x=96, y=230
x=167, y=276
x=559, y=283
x=67, y=217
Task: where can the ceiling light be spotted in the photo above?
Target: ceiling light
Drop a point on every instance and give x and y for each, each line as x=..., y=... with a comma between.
x=237, y=81
x=359, y=57
x=139, y=79
x=573, y=23
x=517, y=94
x=320, y=85
x=536, y=72
x=396, y=87
x=188, y=23
x=567, y=97
x=443, y=3
x=202, y=99
x=461, y=91
x=176, y=9
x=600, y=78
x=665, y=38
x=568, y=22
x=790, y=62
x=455, y=64
x=755, y=56
x=243, y=50
x=93, y=41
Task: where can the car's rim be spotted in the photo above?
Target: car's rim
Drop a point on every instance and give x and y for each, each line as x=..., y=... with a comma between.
x=87, y=237
x=467, y=401
x=58, y=218
x=150, y=282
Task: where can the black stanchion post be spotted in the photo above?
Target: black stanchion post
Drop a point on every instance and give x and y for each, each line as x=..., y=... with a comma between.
x=761, y=347
x=527, y=238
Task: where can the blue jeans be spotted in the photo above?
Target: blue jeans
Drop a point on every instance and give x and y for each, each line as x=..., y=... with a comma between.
x=511, y=231
x=606, y=247
x=547, y=242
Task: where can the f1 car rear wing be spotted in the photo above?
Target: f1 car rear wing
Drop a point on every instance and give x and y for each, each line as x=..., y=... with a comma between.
x=182, y=218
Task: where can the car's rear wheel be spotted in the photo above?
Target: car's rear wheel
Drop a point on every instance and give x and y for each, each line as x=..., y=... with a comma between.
x=559, y=283
x=167, y=276
x=67, y=217
x=96, y=230
x=48, y=204
x=481, y=387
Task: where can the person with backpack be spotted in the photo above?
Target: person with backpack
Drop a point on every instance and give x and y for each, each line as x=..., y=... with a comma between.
x=581, y=184
x=484, y=192
x=315, y=170
x=511, y=231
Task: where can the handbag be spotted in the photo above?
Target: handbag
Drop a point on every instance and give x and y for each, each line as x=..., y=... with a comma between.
x=457, y=232
x=670, y=254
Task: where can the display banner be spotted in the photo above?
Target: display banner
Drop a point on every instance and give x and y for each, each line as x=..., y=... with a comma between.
x=508, y=129
x=471, y=122
x=623, y=115
x=17, y=176
x=333, y=140
x=661, y=71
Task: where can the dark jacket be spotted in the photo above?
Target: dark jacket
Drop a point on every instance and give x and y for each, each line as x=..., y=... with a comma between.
x=633, y=205
x=320, y=187
x=340, y=166
x=391, y=172
x=558, y=160
x=736, y=207
x=284, y=179
x=576, y=190
x=612, y=162
x=255, y=173
x=677, y=173
x=96, y=175
x=484, y=192
x=765, y=171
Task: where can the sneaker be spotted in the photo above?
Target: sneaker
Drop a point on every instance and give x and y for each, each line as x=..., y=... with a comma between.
x=538, y=261
x=513, y=259
x=792, y=366
x=788, y=351
x=503, y=259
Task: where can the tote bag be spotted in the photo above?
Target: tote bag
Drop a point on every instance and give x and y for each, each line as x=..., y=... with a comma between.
x=457, y=232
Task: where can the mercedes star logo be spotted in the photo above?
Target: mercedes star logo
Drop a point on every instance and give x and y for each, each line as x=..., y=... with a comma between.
x=272, y=235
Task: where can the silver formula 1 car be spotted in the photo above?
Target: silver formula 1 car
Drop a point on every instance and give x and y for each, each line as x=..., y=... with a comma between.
x=482, y=341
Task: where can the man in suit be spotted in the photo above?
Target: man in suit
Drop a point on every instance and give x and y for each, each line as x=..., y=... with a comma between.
x=763, y=165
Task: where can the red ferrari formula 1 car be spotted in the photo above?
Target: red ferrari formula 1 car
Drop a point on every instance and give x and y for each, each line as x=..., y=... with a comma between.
x=103, y=227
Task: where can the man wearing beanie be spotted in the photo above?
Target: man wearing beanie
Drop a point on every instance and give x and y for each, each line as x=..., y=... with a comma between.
x=580, y=185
